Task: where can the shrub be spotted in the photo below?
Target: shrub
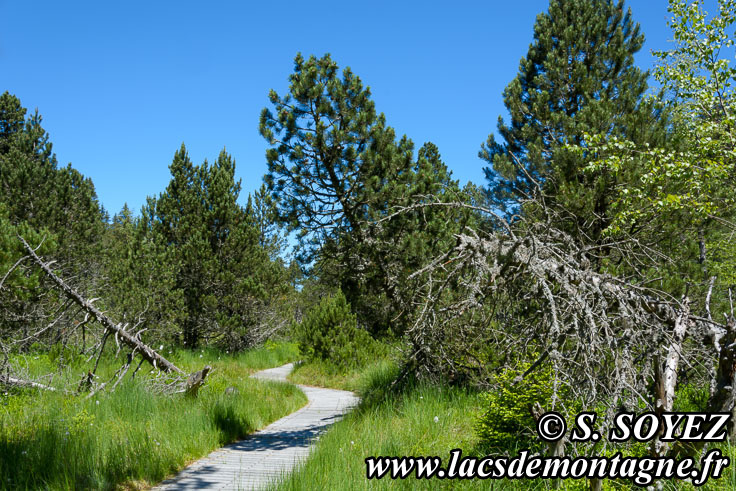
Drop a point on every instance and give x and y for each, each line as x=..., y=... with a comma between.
x=329, y=332
x=506, y=421
x=692, y=398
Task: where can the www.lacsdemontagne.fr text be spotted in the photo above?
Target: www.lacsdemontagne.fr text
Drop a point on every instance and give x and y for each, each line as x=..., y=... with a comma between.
x=640, y=470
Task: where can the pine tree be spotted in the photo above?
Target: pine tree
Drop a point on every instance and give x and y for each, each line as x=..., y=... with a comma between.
x=37, y=191
x=336, y=169
x=12, y=120
x=578, y=77
x=141, y=280
x=682, y=204
x=331, y=153
x=220, y=270
x=330, y=150
x=20, y=285
x=261, y=210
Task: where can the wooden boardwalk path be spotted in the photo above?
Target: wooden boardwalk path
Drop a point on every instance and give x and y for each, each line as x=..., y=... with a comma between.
x=272, y=452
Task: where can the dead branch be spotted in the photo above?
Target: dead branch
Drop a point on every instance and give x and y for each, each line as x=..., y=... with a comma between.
x=666, y=374
x=155, y=359
x=722, y=399
x=195, y=381
x=26, y=384
x=538, y=294
x=10, y=271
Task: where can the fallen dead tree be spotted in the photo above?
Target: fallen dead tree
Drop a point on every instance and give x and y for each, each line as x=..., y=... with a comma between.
x=535, y=293
x=130, y=339
x=24, y=384
x=146, y=352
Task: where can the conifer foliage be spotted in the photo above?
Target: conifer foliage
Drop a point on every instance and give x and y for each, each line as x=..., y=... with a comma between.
x=329, y=333
x=212, y=246
x=336, y=169
x=35, y=190
x=331, y=151
x=578, y=77
x=49, y=205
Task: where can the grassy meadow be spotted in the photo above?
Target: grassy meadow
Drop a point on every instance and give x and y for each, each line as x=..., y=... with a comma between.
x=416, y=420
x=133, y=437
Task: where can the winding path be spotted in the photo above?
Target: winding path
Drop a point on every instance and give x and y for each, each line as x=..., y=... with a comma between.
x=272, y=452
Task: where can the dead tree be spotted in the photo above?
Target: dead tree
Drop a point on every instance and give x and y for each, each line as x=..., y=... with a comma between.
x=148, y=354
x=534, y=290
x=118, y=331
x=25, y=384
x=196, y=380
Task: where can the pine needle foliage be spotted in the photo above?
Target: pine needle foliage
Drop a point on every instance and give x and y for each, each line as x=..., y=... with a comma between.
x=329, y=332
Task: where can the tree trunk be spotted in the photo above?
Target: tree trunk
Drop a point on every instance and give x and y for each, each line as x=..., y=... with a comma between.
x=723, y=397
x=666, y=375
x=16, y=382
x=127, y=338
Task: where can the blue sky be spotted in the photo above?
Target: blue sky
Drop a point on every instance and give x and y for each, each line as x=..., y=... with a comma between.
x=122, y=84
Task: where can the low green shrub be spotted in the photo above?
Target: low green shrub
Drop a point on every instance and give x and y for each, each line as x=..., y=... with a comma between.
x=506, y=421
x=329, y=332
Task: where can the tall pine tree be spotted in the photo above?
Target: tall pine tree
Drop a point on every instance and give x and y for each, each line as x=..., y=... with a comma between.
x=220, y=269
x=578, y=77
x=336, y=169
x=37, y=191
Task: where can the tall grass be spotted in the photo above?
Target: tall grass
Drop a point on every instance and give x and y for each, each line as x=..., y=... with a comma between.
x=402, y=423
x=133, y=436
x=323, y=374
x=379, y=356
x=419, y=420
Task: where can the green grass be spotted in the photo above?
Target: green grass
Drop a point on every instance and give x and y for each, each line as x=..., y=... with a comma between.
x=320, y=373
x=386, y=423
x=133, y=437
x=323, y=374
x=402, y=423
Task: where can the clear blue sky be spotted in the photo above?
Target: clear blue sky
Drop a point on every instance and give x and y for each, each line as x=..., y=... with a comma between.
x=122, y=84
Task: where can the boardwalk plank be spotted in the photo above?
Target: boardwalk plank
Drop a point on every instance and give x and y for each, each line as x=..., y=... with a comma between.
x=272, y=452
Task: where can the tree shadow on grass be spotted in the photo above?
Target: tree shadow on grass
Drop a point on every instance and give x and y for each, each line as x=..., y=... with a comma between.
x=227, y=420
x=45, y=458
